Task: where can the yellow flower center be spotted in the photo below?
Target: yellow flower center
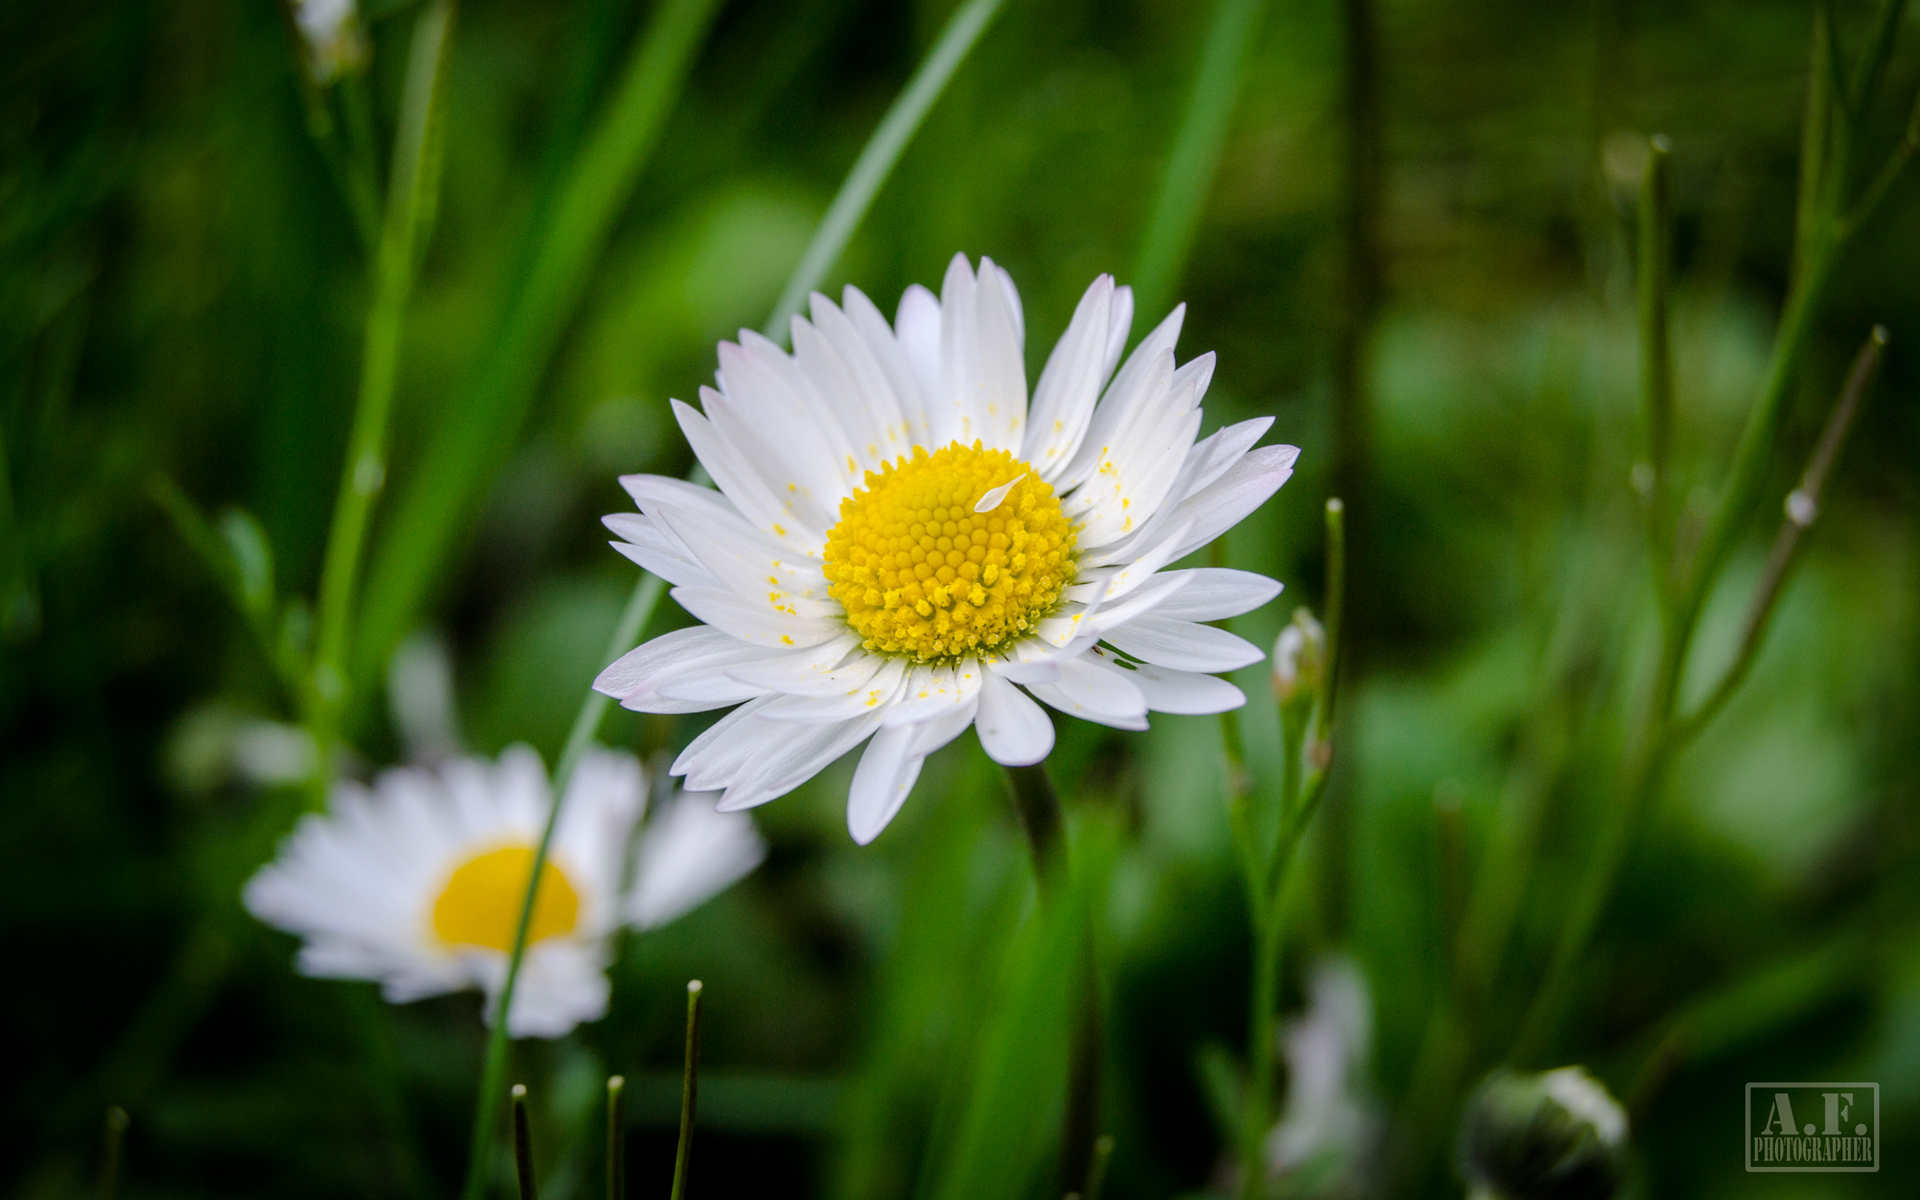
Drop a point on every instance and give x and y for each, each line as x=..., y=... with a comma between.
x=480, y=905
x=925, y=576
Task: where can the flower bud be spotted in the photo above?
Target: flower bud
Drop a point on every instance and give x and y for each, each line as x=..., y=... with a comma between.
x=1557, y=1135
x=335, y=43
x=1299, y=658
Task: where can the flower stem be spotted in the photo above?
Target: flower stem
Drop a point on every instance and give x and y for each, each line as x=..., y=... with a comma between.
x=113, y=1141
x=522, y=1144
x=689, y=1090
x=616, y=1137
x=1040, y=819
x=410, y=197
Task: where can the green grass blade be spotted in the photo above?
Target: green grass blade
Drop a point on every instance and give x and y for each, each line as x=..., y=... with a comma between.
x=877, y=160
x=1177, y=207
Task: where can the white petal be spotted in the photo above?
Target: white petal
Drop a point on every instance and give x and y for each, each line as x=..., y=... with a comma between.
x=1033, y=670
x=1119, y=325
x=930, y=735
x=743, y=482
x=1014, y=731
x=1216, y=593
x=1185, y=692
x=1070, y=383
x=1244, y=487
x=862, y=403
x=995, y=497
x=1001, y=372
x=817, y=671
x=752, y=565
x=932, y=691
x=1209, y=458
x=1093, y=693
x=1183, y=645
x=801, y=753
x=656, y=549
x=1136, y=604
x=868, y=696
x=687, y=854
x=1135, y=473
x=1115, y=406
x=711, y=760
x=637, y=677
x=798, y=472
x=562, y=984
x=877, y=337
x=880, y=783
x=756, y=622
x=917, y=330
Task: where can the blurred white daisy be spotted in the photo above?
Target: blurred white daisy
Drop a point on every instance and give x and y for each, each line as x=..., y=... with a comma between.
x=900, y=543
x=417, y=882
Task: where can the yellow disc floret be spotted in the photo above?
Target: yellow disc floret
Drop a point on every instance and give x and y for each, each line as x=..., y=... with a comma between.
x=480, y=905
x=924, y=575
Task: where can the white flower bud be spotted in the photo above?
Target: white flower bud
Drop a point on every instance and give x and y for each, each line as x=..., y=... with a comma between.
x=1558, y=1135
x=332, y=31
x=1299, y=657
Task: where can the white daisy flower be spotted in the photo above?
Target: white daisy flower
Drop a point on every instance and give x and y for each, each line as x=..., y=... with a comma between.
x=417, y=883
x=900, y=543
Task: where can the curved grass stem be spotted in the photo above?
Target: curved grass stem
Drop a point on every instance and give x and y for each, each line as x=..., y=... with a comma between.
x=410, y=198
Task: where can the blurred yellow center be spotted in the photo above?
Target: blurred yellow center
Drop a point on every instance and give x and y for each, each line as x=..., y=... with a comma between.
x=924, y=575
x=481, y=903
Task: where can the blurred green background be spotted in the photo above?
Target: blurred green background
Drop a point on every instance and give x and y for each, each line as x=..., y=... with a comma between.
x=182, y=296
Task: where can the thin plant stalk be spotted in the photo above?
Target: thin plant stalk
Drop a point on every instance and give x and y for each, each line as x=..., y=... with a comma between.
x=1041, y=820
x=1306, y=747
x=415, y=180
x=689, y=1091
x=633, y=622
x=522, y=1145
x=877, y=159
x=1185, y=184
x=1656, y=358
x=113, y=1144
x=616, y=1137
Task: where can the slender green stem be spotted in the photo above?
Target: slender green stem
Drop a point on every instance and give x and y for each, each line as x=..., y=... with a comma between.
x=113, y=1142
x=1039, y=811
x=1656, y=358
x=522, y=1145
x=1262, y=1003
x=1336, y=519
x=689, y=1091
x=1802, y=509
x=414, y=182
x=1097, y=1176
x=1040, y=819
x=617, y=1138
x=1184, y=185
x=877, y=159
